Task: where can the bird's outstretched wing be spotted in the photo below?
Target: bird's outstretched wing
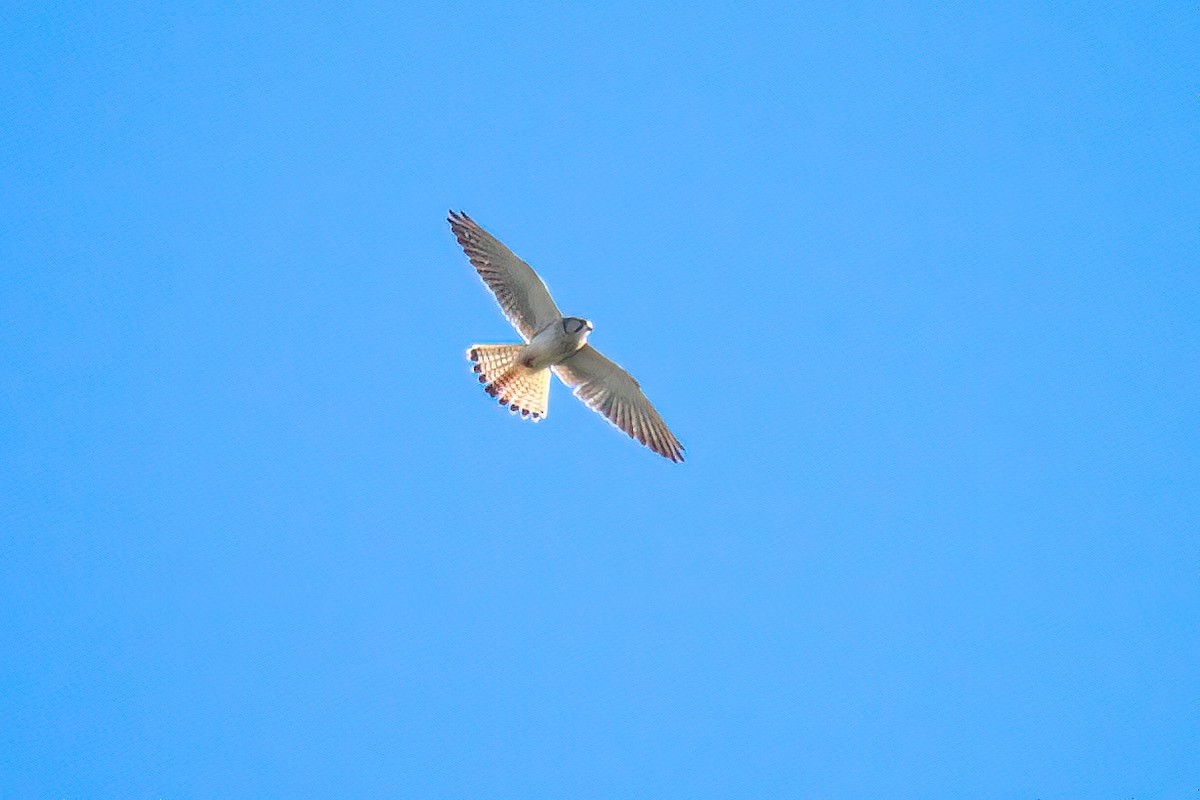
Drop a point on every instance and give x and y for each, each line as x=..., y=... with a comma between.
x=522, y=295
x=611, y=391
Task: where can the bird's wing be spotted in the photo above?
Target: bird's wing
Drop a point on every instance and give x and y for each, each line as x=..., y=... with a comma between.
x=613, y=392
x=522, y=296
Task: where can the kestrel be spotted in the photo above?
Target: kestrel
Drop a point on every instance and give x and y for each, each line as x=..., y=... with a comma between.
x=518, y=375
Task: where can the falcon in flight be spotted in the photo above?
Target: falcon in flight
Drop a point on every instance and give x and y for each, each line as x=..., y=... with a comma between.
x=518, y=375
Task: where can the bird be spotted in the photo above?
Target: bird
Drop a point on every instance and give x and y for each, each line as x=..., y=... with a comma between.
x=518, y=375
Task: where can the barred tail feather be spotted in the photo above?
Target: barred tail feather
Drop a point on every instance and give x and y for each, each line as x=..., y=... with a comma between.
x=503, y=376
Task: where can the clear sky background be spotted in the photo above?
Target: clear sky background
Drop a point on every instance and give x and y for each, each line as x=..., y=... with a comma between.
x=916, y=285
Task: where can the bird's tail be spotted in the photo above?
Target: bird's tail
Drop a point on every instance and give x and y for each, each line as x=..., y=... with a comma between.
x=503, y=376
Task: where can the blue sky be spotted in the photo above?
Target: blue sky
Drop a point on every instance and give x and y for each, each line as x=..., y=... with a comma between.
x=916, y=286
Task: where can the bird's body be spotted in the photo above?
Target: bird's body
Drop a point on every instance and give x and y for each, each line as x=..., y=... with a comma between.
x=554, y=344
x=518, y=375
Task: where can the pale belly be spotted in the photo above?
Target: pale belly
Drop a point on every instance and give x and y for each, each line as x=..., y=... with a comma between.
x=551, y=346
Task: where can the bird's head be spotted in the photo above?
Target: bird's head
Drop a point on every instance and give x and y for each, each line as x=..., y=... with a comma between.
x=577, y=326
